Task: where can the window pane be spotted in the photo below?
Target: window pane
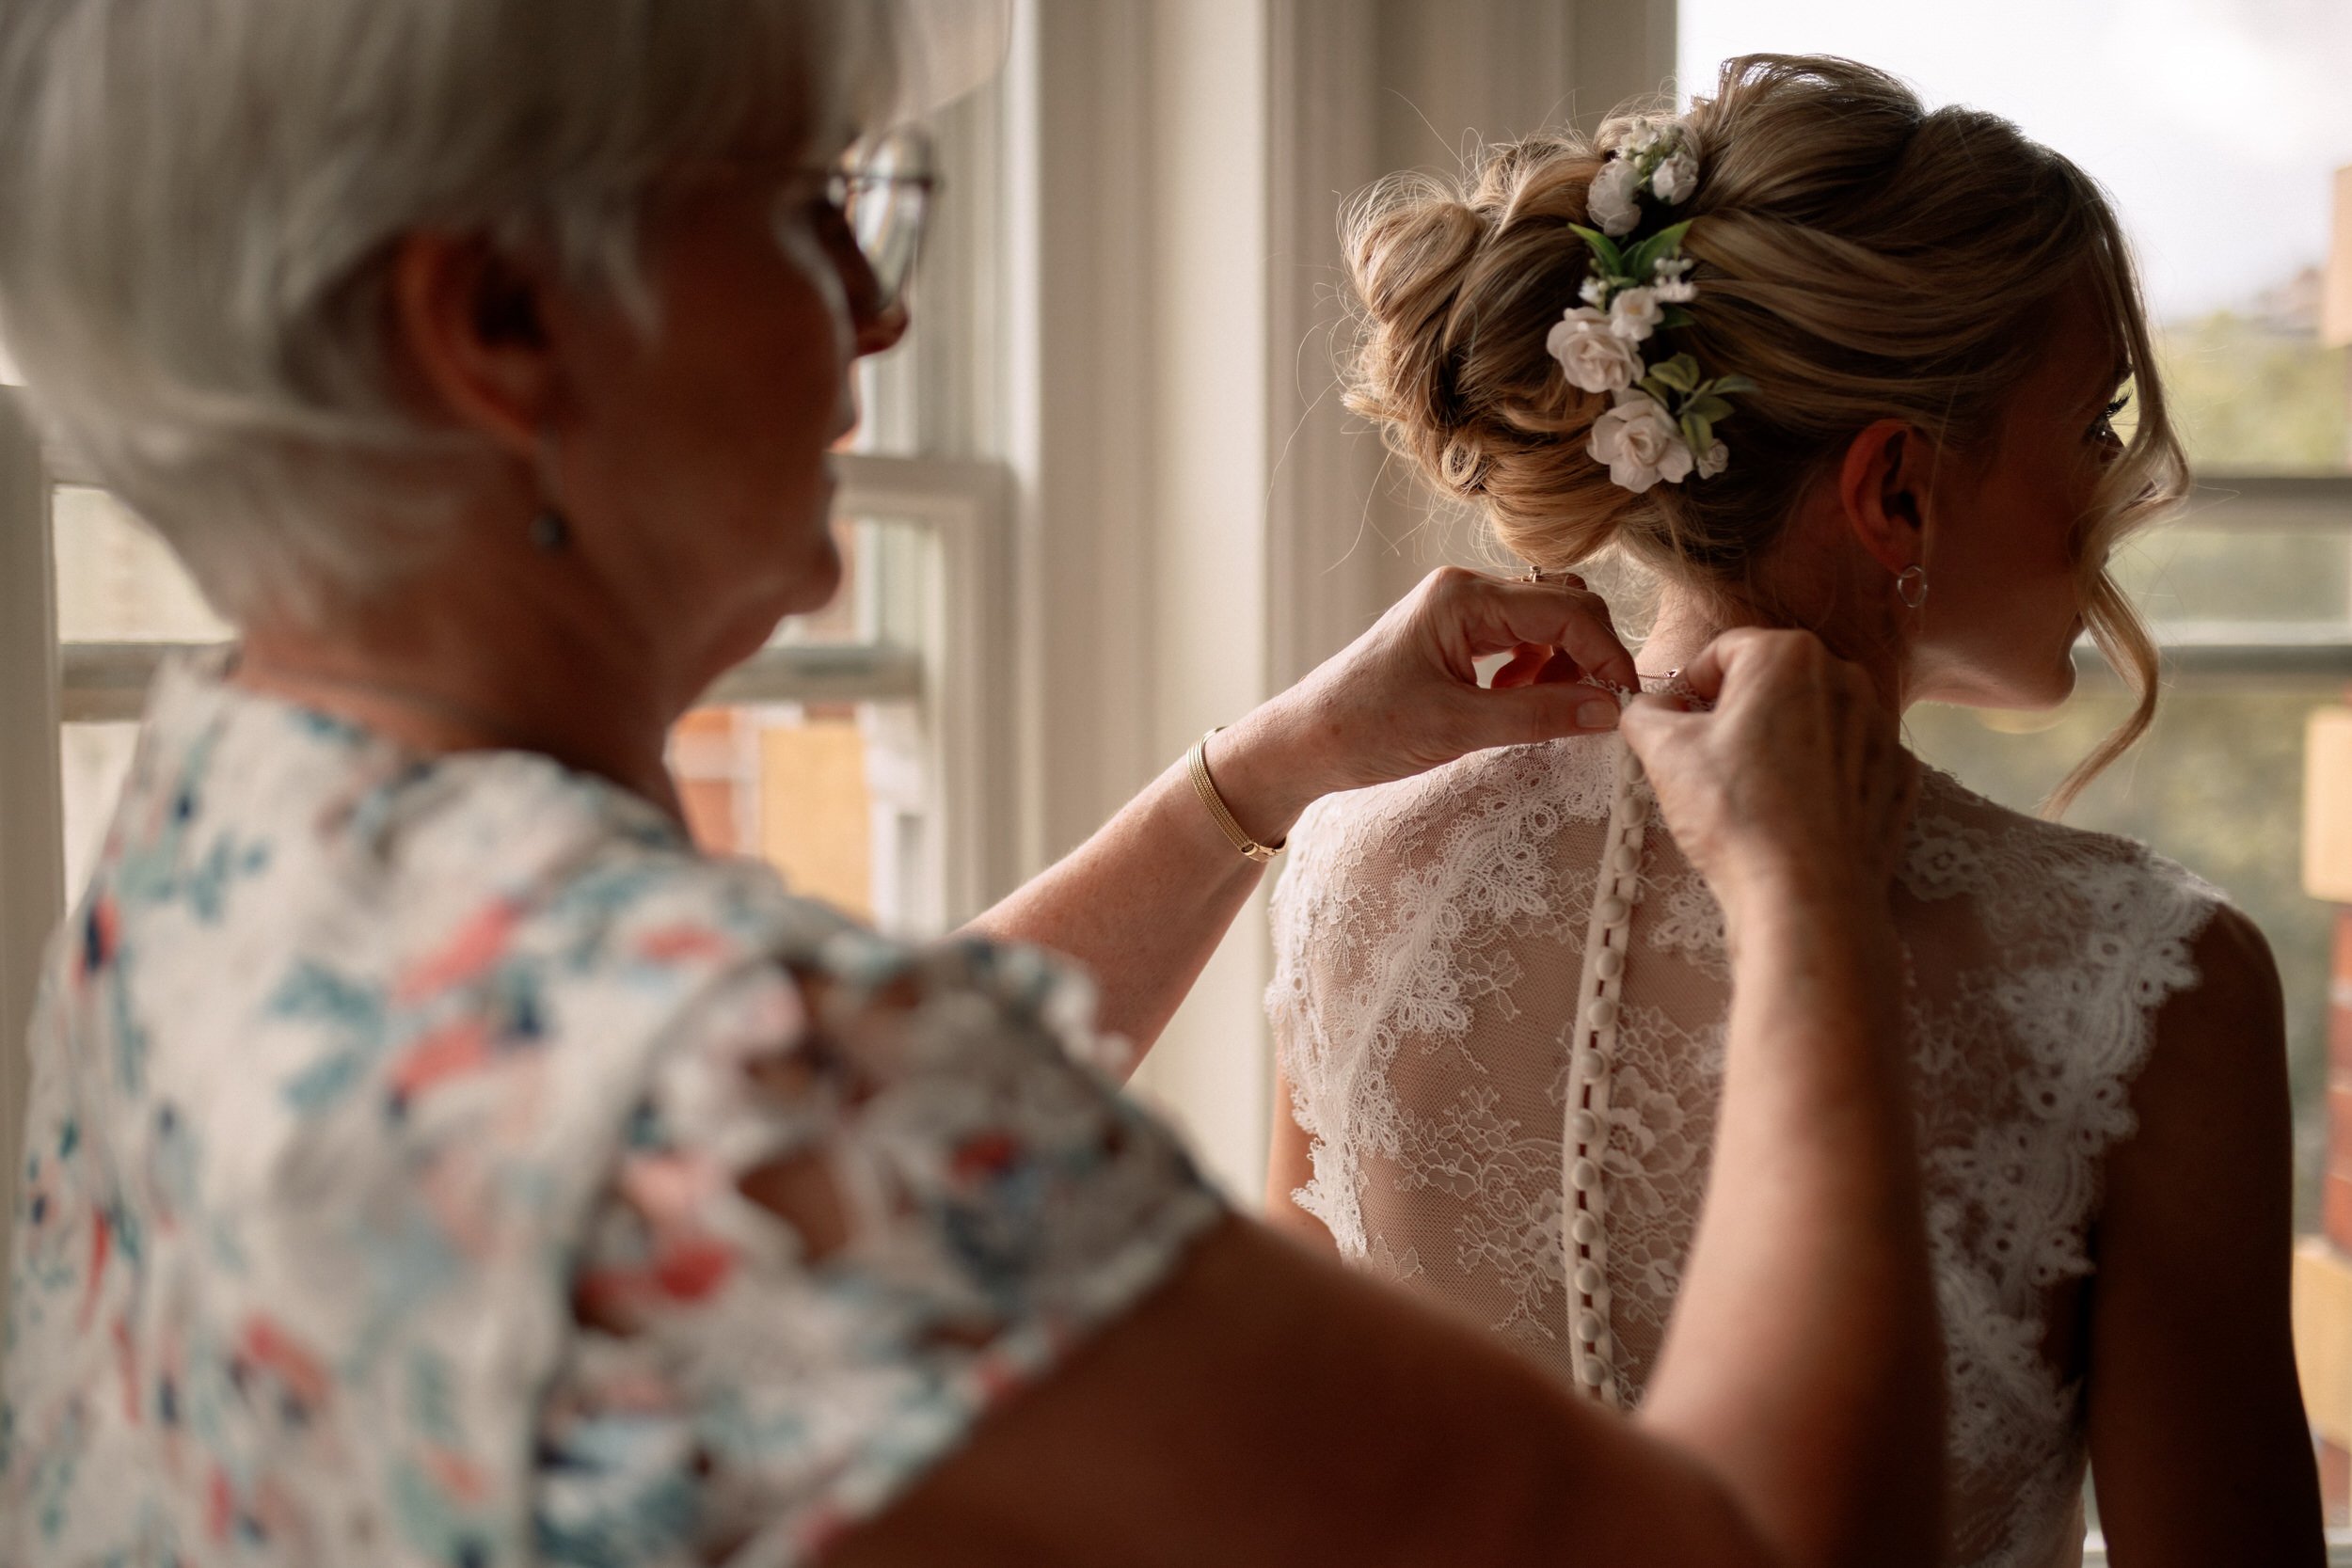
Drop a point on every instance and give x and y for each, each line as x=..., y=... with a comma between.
x=2183, y=572
x=116, y=580
x=828, y=794
x=2253, y=388
x=2217, y=126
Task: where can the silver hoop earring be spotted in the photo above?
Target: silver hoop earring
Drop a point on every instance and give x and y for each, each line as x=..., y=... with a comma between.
x=1911, y=586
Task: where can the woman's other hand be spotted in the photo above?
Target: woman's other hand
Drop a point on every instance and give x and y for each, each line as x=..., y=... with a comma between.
x=1789, y=795
x=1792, y=779
x=1405, y=697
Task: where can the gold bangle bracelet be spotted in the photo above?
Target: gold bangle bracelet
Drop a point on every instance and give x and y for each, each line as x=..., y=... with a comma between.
x=1205, y=788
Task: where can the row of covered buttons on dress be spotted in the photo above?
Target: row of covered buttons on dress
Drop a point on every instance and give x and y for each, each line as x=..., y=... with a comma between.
x=1592, y=1054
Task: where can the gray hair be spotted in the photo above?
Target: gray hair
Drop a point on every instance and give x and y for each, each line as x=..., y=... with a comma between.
x=199, y=202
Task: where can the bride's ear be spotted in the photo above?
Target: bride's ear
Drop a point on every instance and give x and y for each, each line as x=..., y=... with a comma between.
x=1883, y=492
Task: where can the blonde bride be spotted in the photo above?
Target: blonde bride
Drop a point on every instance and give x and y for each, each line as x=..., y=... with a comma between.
x=1816, y=357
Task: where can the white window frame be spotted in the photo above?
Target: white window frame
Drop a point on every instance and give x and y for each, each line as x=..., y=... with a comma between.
x=943, y=642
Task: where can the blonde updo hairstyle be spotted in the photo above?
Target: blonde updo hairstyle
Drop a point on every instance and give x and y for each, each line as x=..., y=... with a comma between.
x=1859, y=256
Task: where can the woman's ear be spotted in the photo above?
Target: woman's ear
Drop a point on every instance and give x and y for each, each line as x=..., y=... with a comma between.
x=1882, y=490
x=472, y=324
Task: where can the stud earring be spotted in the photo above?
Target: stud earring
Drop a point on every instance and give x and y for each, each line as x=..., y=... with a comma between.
x=1911, y=586
x=550, y=530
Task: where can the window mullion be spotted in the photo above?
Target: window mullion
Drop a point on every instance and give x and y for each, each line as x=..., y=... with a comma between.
x=32, y=833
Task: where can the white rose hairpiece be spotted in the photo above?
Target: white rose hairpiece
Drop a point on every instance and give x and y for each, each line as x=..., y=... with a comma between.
x=1663, y=424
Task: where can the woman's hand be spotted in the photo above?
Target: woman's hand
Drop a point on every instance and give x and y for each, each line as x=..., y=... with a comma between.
x=1405, y=697
x=1145, y=901
x=1793, y=781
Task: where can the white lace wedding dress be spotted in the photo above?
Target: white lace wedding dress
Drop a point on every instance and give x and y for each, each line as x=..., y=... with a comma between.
x=1478, y=1136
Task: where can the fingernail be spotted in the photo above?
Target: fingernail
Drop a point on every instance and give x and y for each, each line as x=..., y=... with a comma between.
x=1597, y=715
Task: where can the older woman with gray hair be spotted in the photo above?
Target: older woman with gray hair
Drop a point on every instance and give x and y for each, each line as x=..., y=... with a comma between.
x=433, y=1159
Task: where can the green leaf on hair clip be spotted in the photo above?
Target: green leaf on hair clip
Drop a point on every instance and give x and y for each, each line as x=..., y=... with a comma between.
x=1707, y=406
x=1642, y=259
x=1699, y=432
x=1674, y=315
x=1604, y=249
x=1681, y=373
x=1729, y=383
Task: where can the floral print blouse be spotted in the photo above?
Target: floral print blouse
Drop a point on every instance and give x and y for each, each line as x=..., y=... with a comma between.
x=385, y=1190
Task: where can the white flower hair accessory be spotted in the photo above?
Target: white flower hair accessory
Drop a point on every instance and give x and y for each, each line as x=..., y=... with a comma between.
x=1663, y=424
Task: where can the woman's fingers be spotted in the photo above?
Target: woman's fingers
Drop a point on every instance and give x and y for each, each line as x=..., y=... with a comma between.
x=1742, y=646
x=1405, y=696
x=1655, y=726
x=1537, y=666
x=1796, y=769
x=1542, y=711
x=1555, y=709
x=1491, y=615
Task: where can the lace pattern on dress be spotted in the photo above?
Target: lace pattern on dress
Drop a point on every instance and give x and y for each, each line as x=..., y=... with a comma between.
x=1428, y=945
x=1687, y=921
x=1439, y=944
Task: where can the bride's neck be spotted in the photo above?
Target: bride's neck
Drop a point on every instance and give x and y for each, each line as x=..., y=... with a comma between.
x=1687, y=620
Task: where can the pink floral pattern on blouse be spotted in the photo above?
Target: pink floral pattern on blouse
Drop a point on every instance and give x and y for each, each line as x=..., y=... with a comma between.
x=384, y=1195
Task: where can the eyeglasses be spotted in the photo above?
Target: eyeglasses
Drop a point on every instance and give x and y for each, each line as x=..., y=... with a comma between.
x=882, y=190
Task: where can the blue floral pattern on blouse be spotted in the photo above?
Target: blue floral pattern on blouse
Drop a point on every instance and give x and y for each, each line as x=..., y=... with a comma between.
x=386, y=1195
